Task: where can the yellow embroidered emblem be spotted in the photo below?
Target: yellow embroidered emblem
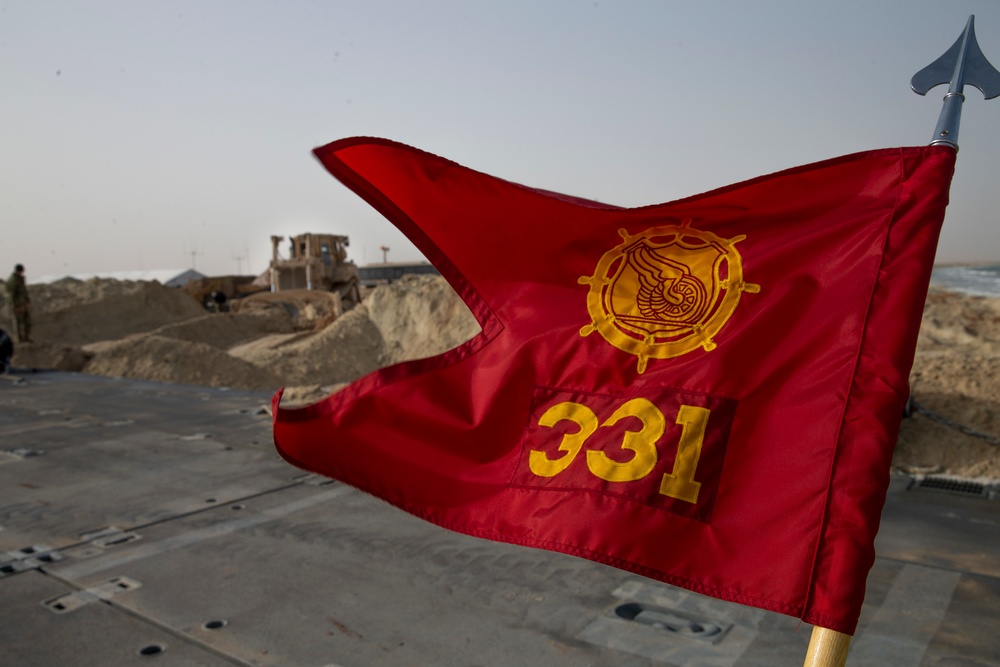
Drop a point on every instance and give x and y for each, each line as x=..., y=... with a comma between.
x=665, y=292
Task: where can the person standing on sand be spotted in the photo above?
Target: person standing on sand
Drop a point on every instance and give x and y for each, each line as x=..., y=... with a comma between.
x=20, y=302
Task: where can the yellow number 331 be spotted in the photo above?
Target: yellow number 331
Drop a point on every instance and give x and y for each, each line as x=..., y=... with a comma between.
x=678, y=483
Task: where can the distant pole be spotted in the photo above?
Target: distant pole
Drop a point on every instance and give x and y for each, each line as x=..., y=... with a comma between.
x=239, y=263
x=385, y=254
x=963, y=64
x=194, y=253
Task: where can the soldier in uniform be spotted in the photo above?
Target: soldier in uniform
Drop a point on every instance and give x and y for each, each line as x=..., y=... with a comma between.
x=20, y=302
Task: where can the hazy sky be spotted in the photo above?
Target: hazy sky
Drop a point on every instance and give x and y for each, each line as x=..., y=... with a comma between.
x=152, y=135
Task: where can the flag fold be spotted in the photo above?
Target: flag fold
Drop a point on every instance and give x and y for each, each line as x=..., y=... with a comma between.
x=706, y=392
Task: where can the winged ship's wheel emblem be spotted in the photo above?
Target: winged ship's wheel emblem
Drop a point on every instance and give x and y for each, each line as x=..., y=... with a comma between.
x=665, y=292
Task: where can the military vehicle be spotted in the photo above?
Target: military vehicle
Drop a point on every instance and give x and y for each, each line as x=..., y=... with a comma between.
x=315, y=262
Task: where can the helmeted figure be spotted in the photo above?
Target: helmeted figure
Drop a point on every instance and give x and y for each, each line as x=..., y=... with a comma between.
x=20, y=303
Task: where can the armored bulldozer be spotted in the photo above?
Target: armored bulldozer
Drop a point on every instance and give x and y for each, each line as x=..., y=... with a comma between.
x=315, y=262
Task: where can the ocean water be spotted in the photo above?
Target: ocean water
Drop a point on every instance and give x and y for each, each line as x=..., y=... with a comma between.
x=981, y=280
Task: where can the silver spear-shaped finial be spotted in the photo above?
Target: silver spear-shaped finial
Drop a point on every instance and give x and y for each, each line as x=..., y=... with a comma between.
x=963, y=64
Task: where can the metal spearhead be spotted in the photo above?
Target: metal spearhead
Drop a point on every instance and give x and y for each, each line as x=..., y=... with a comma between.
x=963, y=64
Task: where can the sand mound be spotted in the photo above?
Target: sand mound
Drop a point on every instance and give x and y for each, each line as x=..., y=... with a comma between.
x=952, y=321
x=226, y=330
x=71, y=312
x=956, y=376
x=420, y=316
x=44, y=355
x=70, y=292
x=345, y=350
x=152, y=357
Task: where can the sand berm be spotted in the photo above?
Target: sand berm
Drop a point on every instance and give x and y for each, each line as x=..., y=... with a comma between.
x=146, y=331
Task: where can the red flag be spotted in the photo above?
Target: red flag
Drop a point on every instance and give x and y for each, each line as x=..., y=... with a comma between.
x=706, y=392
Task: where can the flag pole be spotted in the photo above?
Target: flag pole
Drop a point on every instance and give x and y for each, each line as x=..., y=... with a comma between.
x=963, y=64
x=827, y=648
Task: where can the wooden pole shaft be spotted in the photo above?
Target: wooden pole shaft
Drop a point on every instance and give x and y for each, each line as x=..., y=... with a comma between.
x=827, y=648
